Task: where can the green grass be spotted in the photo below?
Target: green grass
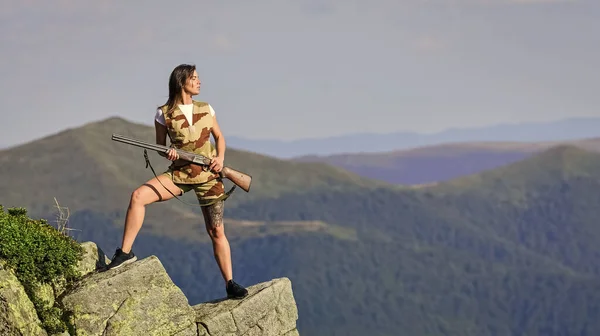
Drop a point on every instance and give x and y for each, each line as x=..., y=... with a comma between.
x=39, y=254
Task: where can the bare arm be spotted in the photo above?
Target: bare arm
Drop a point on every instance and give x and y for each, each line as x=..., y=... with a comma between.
x=219, y=138
x=161, y=133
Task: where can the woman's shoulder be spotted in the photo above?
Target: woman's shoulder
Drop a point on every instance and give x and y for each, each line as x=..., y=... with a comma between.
x=161, y=108
x=205, y=105
x=200, y=103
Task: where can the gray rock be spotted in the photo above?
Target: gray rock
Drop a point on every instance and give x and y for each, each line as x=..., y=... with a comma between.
x=93, y=258
x=269, y=309
x=64, y=333
x=136, y=299
x=141, y=299
x=17, y=313
x=45, y=293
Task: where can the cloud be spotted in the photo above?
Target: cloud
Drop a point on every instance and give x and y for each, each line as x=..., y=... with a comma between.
x=428, y=43
x=223, y=42
x=496, y=2
x=525, y=2
x=318, y=8
x=538, y=1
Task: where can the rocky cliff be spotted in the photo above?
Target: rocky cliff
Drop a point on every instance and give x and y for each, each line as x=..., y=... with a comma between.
x=141, y=299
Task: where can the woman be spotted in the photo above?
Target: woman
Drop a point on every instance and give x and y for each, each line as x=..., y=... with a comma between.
x=188, y=124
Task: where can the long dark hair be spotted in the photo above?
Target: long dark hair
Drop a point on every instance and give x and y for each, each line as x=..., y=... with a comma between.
x=177, y=80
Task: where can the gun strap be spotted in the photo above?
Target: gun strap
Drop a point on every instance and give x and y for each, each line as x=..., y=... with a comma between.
x=224, y=197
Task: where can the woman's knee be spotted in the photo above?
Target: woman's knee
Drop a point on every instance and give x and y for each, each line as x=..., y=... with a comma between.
x=216, y=232
x=142, y=196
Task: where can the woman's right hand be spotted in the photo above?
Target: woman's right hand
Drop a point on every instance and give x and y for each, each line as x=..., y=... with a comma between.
x=172, y=154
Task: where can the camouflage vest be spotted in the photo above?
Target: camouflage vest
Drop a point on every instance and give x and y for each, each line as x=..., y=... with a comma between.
x=192, y=138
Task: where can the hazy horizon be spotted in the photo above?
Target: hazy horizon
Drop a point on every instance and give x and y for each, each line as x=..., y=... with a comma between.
x=296, y=71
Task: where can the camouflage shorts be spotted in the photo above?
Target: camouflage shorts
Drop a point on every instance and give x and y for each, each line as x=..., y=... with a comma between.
x=207, y=193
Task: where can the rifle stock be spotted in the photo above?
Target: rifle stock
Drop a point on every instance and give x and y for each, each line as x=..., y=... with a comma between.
x=237, y=177
x=240, y=179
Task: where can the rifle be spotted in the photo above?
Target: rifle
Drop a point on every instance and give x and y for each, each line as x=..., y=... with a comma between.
x=238, y=178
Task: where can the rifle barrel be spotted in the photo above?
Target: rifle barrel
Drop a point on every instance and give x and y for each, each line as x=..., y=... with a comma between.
x=196, y=158
x=139, y=143
x=239, y=178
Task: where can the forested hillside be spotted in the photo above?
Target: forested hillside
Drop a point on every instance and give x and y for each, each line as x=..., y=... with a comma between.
x=510, y=251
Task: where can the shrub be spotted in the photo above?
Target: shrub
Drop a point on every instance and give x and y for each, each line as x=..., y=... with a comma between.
x=39, y=254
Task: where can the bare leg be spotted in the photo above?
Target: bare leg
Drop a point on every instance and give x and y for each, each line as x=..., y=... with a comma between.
x=147, y=193
x=213, y=219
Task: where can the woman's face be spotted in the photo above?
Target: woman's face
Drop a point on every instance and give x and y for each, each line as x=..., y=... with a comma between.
x=192, y=86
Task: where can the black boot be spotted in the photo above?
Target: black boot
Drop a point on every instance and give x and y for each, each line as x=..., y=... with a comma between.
x=235, y=291
x=121, y=258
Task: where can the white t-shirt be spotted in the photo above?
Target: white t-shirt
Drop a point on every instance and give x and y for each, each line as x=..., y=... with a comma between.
x=187, y=111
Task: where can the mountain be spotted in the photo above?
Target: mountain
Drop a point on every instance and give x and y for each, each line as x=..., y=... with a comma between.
x=508, y=251
x=565, y=129
x=84, y=169
x=430, y=164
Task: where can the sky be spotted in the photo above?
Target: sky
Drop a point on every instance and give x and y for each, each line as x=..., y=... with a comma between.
x=300, y=69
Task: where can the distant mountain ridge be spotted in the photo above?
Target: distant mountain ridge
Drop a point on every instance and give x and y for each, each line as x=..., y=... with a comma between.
x=565, y=129
x=436, y=163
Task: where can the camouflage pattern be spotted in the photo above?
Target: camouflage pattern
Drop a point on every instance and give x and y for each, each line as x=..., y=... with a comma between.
x=194, y=138
x=207, y=193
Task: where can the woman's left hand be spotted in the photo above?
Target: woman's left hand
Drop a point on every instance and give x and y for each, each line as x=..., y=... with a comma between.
x=216, y=164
